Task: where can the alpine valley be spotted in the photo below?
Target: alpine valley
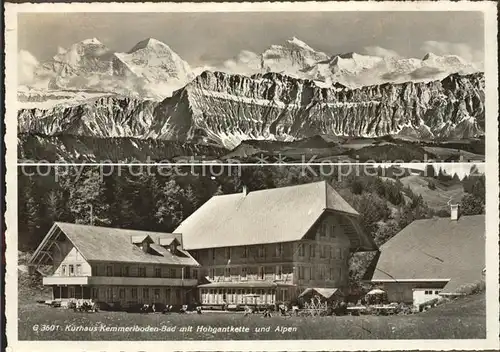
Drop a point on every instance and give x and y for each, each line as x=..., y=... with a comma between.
x=289, y=103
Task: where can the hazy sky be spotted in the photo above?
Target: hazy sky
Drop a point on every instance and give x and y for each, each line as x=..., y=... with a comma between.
x=209, y=38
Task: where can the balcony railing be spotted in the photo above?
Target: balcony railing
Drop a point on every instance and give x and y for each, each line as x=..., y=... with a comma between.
x=117, y=281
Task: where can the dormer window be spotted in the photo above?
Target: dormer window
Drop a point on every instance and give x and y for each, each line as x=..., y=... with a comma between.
x=173, y=248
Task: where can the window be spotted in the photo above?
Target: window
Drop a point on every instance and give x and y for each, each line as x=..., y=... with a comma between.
x=322, y=251
x=126, y=271
x=301, y=272
x=332, y=275
x=71, y=292
x=133, y=292
x=262, y=251
x=95, y=292
x=211, y=274
x=118, y=270
x=227, y=253
x=109, y=293
x=243, y=273
x=142, y=271
x=339, y=273
x=245, y=252
x=227, y=272
x=279, y=272
x=436, y=292
x=322, y=273
x=213, y=254
x=261, y=273
x=173, y=272
x=178, y=294
x=302, y=250
x=195, y=273
x=313, y=250
x=279, y=249
x=311, y=273
x=338, y=254
x=157, y=293
x=332, y=231
x=63, y=270
x=122, y=293
x=78, y=269
x=341, y=254
x=167, y=294
x=145, y=293
x=71, y=270
x=323, y=229
x=109, y=270
x=157, y=272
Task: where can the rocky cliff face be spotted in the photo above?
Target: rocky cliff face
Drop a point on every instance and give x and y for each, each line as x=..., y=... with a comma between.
x=99, y=117
x=225, y=109
x=230, y=108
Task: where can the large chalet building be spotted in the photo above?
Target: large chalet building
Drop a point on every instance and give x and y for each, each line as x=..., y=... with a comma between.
x=116, y=266
x=268, y=246
x=261, y=247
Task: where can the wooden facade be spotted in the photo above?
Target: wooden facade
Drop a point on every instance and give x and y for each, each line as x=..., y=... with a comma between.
x=277, y=272
x=119, y=283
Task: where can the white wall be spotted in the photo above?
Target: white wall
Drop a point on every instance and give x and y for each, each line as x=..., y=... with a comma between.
x=74, y=258
x=422, y=295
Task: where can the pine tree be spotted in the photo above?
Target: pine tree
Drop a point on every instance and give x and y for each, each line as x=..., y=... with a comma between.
x=29, y=216
x=169, y=212
x=55, y=208
x=85, y=201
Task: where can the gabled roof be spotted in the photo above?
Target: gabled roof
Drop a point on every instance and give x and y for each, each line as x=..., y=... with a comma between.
x=141, y=238
x=97, y=243
x=325, y=292
x=267, y=216
x=432, y=249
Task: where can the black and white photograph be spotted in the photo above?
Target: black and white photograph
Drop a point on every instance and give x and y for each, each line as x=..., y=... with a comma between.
x=275, y=87
x=281, y=252
x=308, y=176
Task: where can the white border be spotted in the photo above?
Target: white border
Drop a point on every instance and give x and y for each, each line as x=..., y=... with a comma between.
x=492, y=218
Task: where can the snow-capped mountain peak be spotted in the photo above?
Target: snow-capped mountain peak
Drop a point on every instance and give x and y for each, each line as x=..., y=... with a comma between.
x=448, y=63
x=298, y=44
x=91, y=41
x=429, y=56
x=151, y=44
x=353, y=63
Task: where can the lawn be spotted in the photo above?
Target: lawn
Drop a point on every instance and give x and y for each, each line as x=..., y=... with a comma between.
x=455, y=320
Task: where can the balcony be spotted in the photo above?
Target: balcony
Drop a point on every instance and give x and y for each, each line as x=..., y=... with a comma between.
x=66, y=280
x=117, y=281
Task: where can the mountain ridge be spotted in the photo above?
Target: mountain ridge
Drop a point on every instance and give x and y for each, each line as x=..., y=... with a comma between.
x=225, y=109
x=151, y=69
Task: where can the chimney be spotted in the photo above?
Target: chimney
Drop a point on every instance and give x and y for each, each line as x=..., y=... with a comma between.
x=245, y=191
x=454, y=211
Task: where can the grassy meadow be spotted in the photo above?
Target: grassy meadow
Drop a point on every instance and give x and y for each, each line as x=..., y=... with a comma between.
x=464, y=318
